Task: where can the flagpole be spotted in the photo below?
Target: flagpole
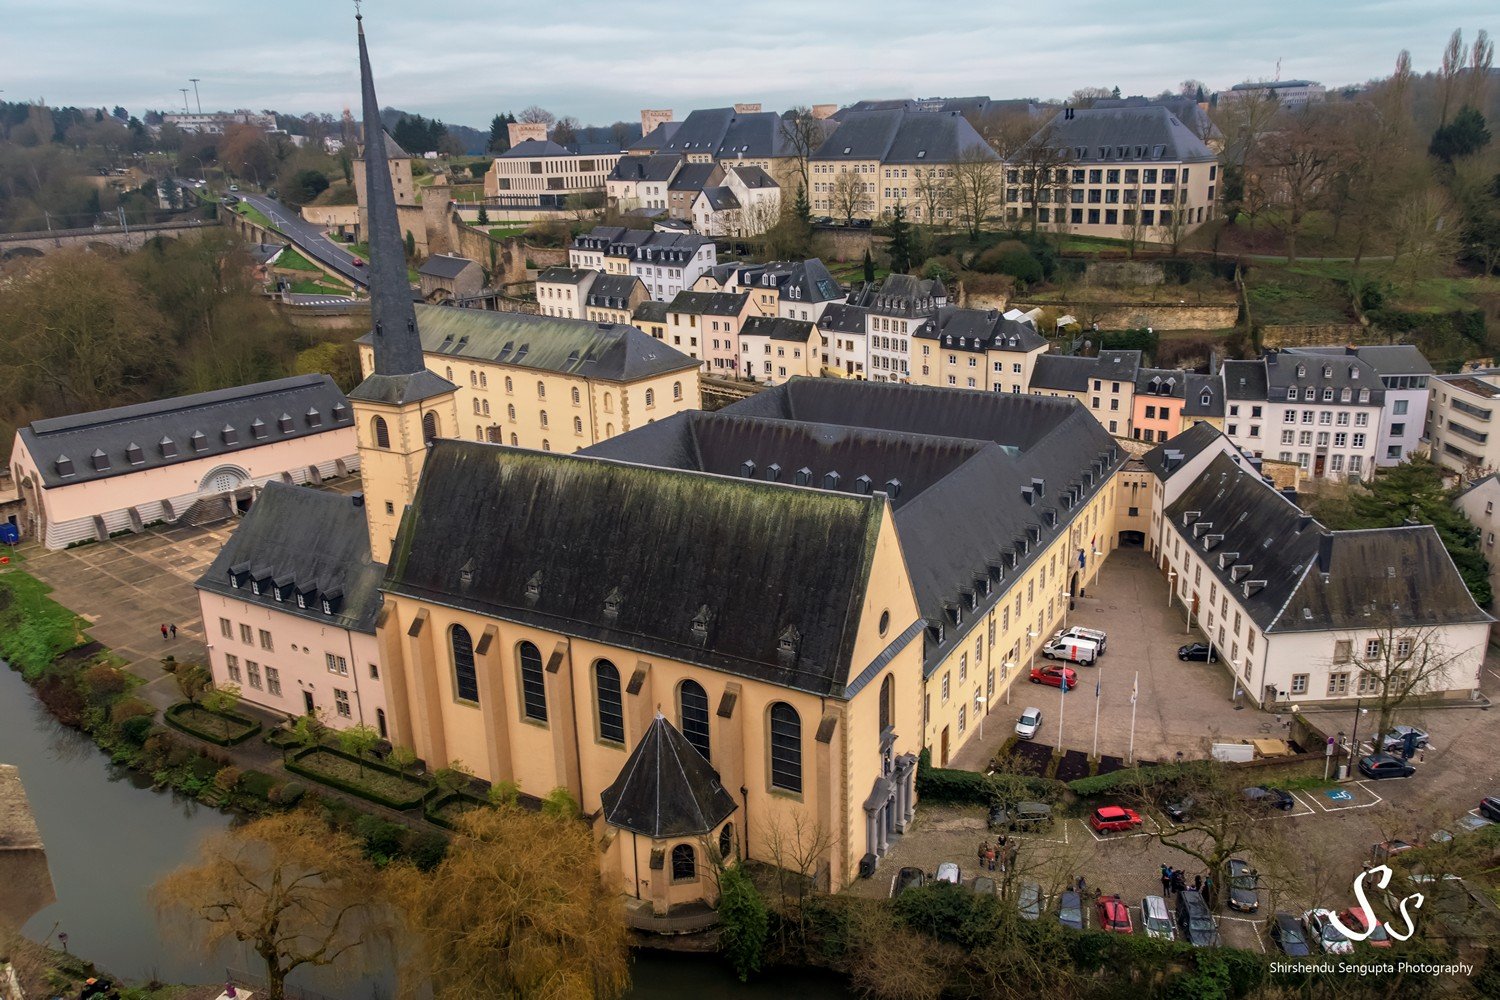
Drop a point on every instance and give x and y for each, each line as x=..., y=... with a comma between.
x=1134, y=691
x=1098, y=683
x=1062, y=692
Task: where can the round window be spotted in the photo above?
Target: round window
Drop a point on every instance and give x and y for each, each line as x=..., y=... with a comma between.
x=885, y=621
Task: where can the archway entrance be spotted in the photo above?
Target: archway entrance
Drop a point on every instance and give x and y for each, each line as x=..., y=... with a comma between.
x=223, y=480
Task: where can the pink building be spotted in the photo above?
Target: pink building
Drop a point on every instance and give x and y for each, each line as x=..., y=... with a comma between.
x=1160, y=395
x=193, y=458
x=289, y=609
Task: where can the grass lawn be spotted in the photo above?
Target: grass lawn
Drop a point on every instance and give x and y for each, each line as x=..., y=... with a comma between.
x=200, y=720
x=312, y=287
x=468, y=192
x=1285, y=296
x=504, y=233
x=1084, y=243
x=292, y=259
x=323, y=763
x=254, y=214
x=34, y=629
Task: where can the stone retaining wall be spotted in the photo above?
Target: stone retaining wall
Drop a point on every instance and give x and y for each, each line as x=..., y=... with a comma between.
x=1318, y=333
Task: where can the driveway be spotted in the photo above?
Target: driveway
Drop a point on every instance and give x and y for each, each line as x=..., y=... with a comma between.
x=1180, y=707
x=308, y=238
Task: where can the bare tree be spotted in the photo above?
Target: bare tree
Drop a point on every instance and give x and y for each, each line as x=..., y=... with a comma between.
x=975, y=189
x=1245, y=123
x=931, y=194
x=1084, y=97
x=798, y=849
x=536, y=115
x=1299, y=163
x=1135, y=226
x=849, y=197
x=1449, y=72
x=1481, y=59
x=1040, y=168
x=1427, y=234
x=565, y=130
x=1397, y=662
x=1173, y=222
x=803, y=134
x=760, y=216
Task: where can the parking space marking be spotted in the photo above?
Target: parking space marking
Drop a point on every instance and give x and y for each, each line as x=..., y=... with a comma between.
x=1063, y=825
x=1289, y=813
x=1255, y=922
x=1481, y=816
x=1102, y=837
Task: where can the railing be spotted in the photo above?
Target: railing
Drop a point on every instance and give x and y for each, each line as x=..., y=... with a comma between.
x=151, y=227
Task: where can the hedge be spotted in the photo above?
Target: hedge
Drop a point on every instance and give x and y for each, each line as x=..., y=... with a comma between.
x=1134, y=778
x=942, y=784
x=295, y=765
x=434, y=808
x=170, y=716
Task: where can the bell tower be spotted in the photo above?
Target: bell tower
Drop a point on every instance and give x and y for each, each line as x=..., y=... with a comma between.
x=400, y=407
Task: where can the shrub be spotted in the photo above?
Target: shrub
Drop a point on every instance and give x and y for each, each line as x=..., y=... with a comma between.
x=941, y=784
x=126, y=709
x=1132, y=779
x=258, y=784
x=951, y=913
x=228, y=778
x=426, y=850
x=744, y=922
x=288, y=794
x=61, y=696
x=103, y=683
x=136, y=729
x=382, y=838
x=560, y=803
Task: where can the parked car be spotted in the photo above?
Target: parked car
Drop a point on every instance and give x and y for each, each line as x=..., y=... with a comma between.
x=1030, y=901
x=1114, y=819
x=1070, y=911
x=1098, y=637
x=1269, y=798
x=1179, y=810
x=983, y=885
x=234, y=187
x=359, y=262
x=1489, y=807
x=1155, y=920
x=1195, y=651
x=1320, y=928
x=1395, y=740
x=907, y=878
x=1287, y=934
x=1021, y=817
x=1113, y=915
x=1359, y=920
x=948, y=872
x=1383, y=765
x=1080, y=651
x=1029, y=723
x=1054, y=675
x=1195, y=921
x=1242, y=886
x=1385, y=850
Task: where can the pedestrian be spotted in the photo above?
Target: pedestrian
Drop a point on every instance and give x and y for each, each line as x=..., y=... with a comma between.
x=1208, y=888
x=1003, y=839
x=1179, y=882
x=1083, y=885
x=1197, y=883
x=984, y=845
x=1166, y=880
x=174, y=630
x=989, y=858
x=164, y=632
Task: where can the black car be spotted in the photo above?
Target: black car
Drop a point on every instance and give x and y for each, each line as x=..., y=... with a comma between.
x=1070, y=911
x=1384, y=765
x=1195, y=651
x=1269, y=798
x=1489, y=807
x=1179, y=810
x=907, y=878
x=1286, y=931
x=1195, y=921
x=1242, y=886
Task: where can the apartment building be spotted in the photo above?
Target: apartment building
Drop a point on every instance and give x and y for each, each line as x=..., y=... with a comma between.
x=706, y=326
x=977, y=349
x=844, y=330
x=641, y=181
x=1169, y=401
x=746, y=204
x=737, y=136
x=1404, y=374
x=613, y=298
x=1104, y=384
x=687, y=184
x=560, y=291
x=666, y=263
x=774, y=349
x=894, y=309
x=794, y=289
x=541, y=166
x=1461, y=420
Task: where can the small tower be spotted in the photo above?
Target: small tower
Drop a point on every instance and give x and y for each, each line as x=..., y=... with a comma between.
x=400, y=406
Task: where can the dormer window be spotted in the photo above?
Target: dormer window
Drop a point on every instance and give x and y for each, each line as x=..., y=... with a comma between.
x=1291, y=393
x=284, y=423
x=1310, y=394
x=1364, y=395
x=1328, y=371
x=1206, y=398
x=234, y=579
x=1354, y=373
x=258, y=429
x=279, y=593
x=134, y=455
x=327, y=607
x=1302, y=371
x=255, y=587
x=1328, y=394
x=301, y=600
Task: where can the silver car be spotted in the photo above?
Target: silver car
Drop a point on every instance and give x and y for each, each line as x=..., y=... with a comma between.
x=1029, y=723
x=1155, y=920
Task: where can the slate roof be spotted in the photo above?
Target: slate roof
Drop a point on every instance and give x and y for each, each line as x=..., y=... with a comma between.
x=142, y=436
x=809, y=279
x=692, y=177
x=897, y=135
x=613, y=291
x=1162, y=382
x=1197, y=386
x=676, y=566
x=840, y=317
x=753, y=176
x=666, y=789
x=961, y=458
x=1386, y=359
x=778, y=328
x=1184, y=109
x=536, y=147
x=1244, y=380
x=658, y=167
x=720, y=199
x=559, y=275
x=980, y=330
x=1123, y=135
x=1167, y=458
x=1301, y=577
x=1063, y=372
x=709, y=303
x=1341, y=373
x=726, y=134
x=656, y=138
x=652, y=310
x=314, y=542
x=442, y=265
x=901, y=295
x=642, y=244
x=614, y=352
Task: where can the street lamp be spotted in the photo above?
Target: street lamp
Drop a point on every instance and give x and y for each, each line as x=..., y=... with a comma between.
x=1005, y=667
x=983, y=702
x=194, y=81
x=1171, y=576
x=1359, y=710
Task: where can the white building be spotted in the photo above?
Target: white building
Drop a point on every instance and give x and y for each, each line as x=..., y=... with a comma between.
x=1404, y=373
x=666, y=263
x=215, y=122
x=561, y=291
x=1461, y=420
x=1298, y=613
x=845, y=346
x=541, y=166
x=896, y=308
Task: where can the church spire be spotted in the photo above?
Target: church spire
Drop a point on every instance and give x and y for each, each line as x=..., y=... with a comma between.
x=399, y=370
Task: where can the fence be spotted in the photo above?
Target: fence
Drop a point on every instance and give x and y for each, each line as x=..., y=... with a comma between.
x=257, y=984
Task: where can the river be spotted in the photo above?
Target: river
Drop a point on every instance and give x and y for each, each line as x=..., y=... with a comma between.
x=110, y=836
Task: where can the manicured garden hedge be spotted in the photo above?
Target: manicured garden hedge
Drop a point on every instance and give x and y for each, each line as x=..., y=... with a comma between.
x=435, y=813
x=418, y=792
x=942, y=784
x=1133, y=778
x=180, y=716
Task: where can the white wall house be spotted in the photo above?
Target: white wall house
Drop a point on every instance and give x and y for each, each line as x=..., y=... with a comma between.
x=1404, y=374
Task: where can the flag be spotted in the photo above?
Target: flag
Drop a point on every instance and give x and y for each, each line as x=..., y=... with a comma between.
x=1080, y=559
x=1096, y=688
x=1135, y=688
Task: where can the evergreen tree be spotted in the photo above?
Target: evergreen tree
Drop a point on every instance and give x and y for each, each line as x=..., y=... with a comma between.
x=1466, y=133
x=800, y=208
x=869, y=267
x=484, y=216
x=900, y=248
x=411, y=245
x=1116, y=92
x=499, y=136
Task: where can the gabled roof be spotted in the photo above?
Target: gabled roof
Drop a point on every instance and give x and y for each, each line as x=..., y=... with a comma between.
x=980, y=330
x=1297, y=576
x=311, y=541
x=1321, y=372
x=720, y=199
x=709, y=303
x=442, y=265
x=656, y=138
x=753, y=176
x=609, y=289
x=1127, y=136
x=901, y=295
x=676, y=564
x=1245, y=380
x=724, y=133
x=1063, y=372
x=614, y=352
x=840, y=317
x=651, y=311
x=534, y=148
x=796, y=280
x=1184, y=109
x=1386, y=359
x=778, y=328
x=898, y=135
x=693, y=177
x=1200, y=388
x=659, y=167
x=1168, y=458
x=559, y=275
x=1166, y=382
x=666, y=789
x=107, y=443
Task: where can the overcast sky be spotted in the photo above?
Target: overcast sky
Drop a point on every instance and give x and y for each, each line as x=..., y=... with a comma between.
x=602, y=61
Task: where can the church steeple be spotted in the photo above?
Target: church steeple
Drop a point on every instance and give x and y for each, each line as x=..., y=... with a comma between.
x=401, y=405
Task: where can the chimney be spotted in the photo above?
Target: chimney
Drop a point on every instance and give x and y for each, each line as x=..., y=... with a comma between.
x=1325, y=553
x=358, y=498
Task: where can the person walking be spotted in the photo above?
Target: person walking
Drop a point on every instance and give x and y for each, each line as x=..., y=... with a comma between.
x=984, y=845
x=1166, y=880
x=1198, y=883
x=1179, y=881
x=1208, y=888
x=174, y=630
x=163, y=632
x=989, y=857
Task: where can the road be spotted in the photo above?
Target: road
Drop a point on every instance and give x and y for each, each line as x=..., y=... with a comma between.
x=308, y=239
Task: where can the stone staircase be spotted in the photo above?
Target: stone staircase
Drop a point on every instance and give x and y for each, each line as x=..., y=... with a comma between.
x=208, y=510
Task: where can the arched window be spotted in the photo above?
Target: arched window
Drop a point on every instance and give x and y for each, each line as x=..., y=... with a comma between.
x=478, y=433
x=609, y=403
x=650, y=397
x=576, y=397
x=473, y=378
x=677, y=391
x=684, y=863
x=544, y=418
x=449, y=373
x=484, y=381
x=577, y=425
x=514, y=440
x=429, y=426
x=887, y=702
x=533, y=685
x=509, y=386
x=786, y=748
x=692, y=716
x=486, y=407
x=465, y=680
x=609, y=430
x=726, y=841
x=381, y=432
x=546, y=445
x=541, y=390
x=611, y=706
x=510, y=411
x=380, y=726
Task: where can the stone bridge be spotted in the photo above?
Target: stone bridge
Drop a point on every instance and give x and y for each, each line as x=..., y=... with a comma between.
x=118, y=237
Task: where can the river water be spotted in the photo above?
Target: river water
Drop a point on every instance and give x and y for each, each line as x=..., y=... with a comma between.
x=110, y=836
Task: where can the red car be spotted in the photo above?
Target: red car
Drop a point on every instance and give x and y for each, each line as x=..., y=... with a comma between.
x=1054, y=675
x=1113, y=819
x=1114, y=915
x=359, y=262
x=1357, y=919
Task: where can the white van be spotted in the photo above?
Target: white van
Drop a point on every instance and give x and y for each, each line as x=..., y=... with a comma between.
x=1096, y=636
x=1080, y=651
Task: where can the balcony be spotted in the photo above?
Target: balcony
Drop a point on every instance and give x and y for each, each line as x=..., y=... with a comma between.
x=1478, y=437
x=1477, y=412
